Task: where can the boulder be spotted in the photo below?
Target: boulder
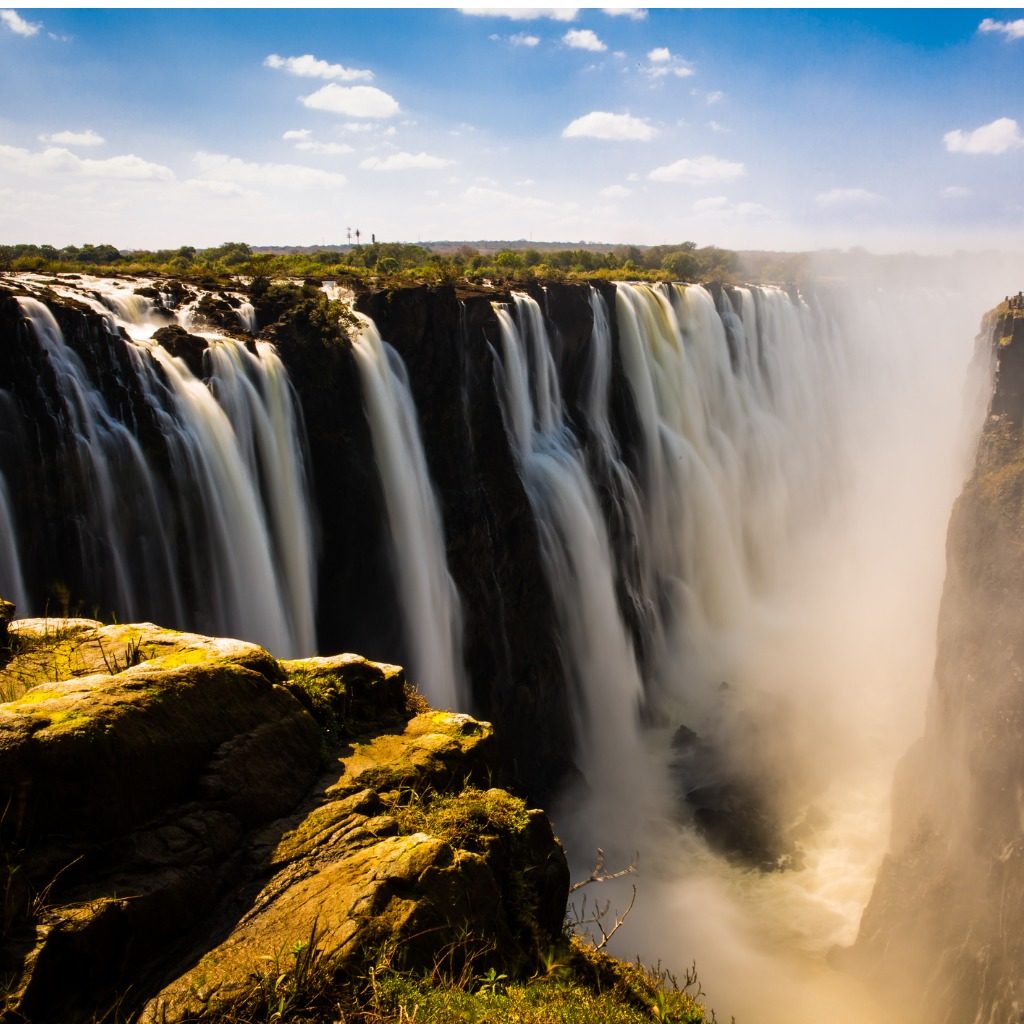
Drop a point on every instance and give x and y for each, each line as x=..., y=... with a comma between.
x=185, y=810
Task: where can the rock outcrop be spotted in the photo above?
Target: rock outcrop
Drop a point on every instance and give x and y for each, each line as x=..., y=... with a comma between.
x=943, y=935
x=182, y=811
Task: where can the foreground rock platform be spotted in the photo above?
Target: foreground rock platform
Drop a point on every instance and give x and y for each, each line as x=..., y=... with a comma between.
x=183, y=810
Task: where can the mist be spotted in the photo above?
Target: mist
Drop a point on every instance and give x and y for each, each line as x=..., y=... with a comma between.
x=807, y=687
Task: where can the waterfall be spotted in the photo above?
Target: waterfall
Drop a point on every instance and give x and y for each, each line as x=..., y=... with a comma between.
x=247, y=317
x=598, y=654
x=225, y=544
x=430, y=603
x=736, y=410
x=121, y=531
x=12, y=583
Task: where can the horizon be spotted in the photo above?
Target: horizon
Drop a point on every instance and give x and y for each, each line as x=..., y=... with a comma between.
x=782, y=131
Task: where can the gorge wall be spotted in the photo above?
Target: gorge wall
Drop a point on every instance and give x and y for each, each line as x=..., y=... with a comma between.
x=682, y=545
x=942, y=934
x=157, y=466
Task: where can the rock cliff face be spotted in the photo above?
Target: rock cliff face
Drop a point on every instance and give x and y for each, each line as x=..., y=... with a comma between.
x=943, y=934
x=181, y=811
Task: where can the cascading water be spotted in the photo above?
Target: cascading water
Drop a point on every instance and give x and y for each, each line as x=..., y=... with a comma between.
x=227, y=546
x=12, y=582
x=794, y=472
x=430, y=602
x=120, y=527
x=745, y=587
x=597, y=651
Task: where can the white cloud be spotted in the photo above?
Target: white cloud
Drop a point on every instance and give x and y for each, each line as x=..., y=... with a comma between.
x=226, y=189
x=1010, y=29
x=700, y=170
x=599, y=124
x=86, y=138
x=17, y=24
x=583, y=39
x=523, y=39
x=615, y=192
x=511, y=203
x=323, y=148
x=956, y=192
x=722, y=207
x=353, y=101
x=308, y=66
x=999, y=136
x=663, y=63
x=836, y=197
x=716, y=96
x=296, y=134
x=716, y=127
x=220, y=167
x=406, y=162
x=523, y=13
x=63, y=161
x=633, y=13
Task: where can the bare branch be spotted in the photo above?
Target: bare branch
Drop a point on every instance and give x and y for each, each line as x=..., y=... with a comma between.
x=599, y=874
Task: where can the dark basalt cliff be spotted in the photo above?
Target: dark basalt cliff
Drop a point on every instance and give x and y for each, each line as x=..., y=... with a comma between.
x=447, y=341
x=943, y=935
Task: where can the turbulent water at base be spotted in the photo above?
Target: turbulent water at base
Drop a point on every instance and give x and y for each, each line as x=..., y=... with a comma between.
x=797, y=461
x=230, y=550
x=430, y=602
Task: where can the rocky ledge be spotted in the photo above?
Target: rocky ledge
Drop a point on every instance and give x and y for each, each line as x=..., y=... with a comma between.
x=182, y=811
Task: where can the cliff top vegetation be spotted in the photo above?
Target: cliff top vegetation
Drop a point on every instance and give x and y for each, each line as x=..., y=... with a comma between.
x=388, y=264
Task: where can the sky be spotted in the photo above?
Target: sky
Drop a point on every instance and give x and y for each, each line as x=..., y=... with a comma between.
x=752, y=129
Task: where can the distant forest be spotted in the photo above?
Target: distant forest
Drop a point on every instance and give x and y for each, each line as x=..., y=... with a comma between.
x=394, y=264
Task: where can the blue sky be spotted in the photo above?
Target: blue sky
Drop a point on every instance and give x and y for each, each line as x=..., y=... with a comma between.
x=751, y=129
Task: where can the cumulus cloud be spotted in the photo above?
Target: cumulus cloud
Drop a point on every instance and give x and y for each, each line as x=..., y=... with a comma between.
x=220, y=167
x=405, y=162
x=599, y=124
x=956, y=192
x=699, y=170
x=523, y=13
x=523, y=39
x=17, y=24
x=62, y=161
x=352, y=101
x=615, y=192
x=633, y=13
x=584, y=39
x=837, y=197
x=662, y=62
x=308, y=66
x=1009, y=29
x=999, y=136
x=86, y=138
x=296, y=134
